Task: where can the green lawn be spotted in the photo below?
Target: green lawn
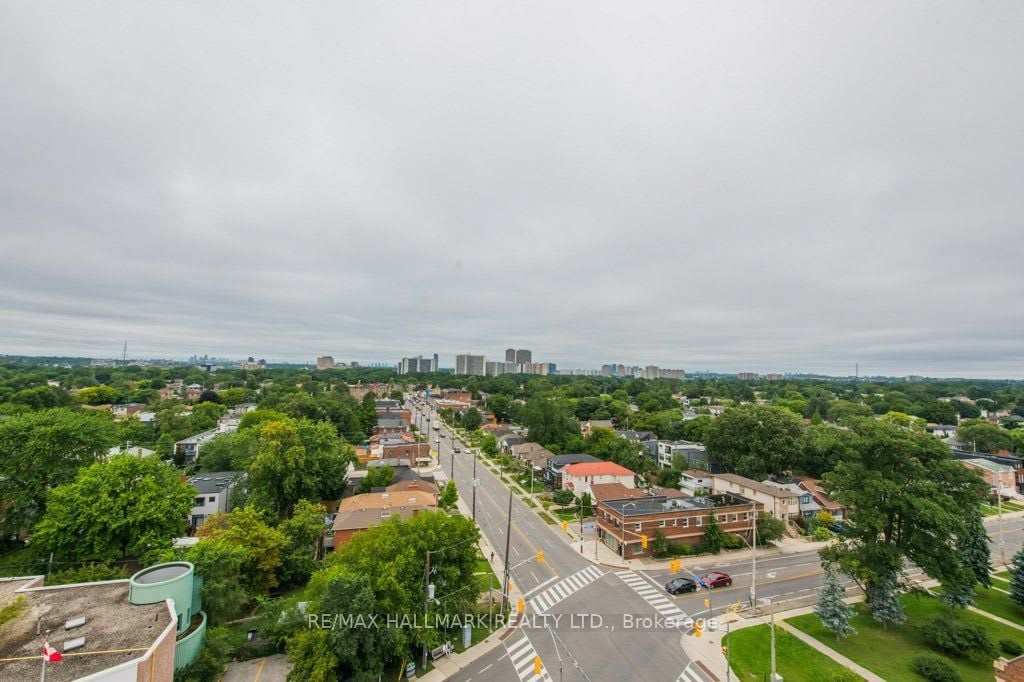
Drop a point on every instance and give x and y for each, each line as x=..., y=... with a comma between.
x=750, y=658
x=1002, y=575
x=481, y=569
x=565, y=513
x=998, y=604
x=874, y=648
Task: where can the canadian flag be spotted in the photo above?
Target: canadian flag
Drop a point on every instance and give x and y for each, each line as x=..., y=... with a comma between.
x=49, y=653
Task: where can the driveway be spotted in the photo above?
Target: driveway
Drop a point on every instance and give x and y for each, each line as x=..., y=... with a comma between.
x=270, y=669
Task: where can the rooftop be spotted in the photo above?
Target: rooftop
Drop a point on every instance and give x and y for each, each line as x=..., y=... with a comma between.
x=660, y=504
x=755, y=485
x=597, y=469
x=213, y=481
x=988, y=465
x=562, y=460
x=110, y=623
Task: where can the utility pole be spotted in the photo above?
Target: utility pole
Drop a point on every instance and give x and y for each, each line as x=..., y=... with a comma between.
x=508, y=548
x=474, y=486
x=1002, y=541
x=771, y=628
x=426, y=601
x=753, y=562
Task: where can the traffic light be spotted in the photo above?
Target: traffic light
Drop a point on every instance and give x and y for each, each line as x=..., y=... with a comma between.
x=565, y=526
x=643, y=541
x=520, y=605
x=540, y=557
x=707, y=603
x=673, y=566
x=538, y=667
x=696, y=629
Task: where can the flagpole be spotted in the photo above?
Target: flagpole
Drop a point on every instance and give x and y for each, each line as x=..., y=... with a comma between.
x=42, y=677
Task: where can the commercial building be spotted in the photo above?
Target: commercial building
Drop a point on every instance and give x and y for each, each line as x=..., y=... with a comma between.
x=470, y=364
x=325, y=362
x=623, y=518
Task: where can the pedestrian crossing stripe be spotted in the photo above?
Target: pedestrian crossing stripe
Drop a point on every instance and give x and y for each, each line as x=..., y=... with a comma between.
x=564, y=588
x=690, y=674
x=661, y=604
x=521, y=654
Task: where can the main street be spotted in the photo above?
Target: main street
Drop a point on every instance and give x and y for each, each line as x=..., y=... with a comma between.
x=569, y=583
x=595, y=653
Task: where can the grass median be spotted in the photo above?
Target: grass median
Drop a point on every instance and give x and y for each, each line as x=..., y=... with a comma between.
x=750, y=658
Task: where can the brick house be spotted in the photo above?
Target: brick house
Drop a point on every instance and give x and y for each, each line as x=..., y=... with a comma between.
x=359, y=512
x=624, y=516
x=534, y=453
x=1000, y=478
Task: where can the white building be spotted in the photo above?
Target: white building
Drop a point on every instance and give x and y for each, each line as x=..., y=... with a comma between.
x=213, y=494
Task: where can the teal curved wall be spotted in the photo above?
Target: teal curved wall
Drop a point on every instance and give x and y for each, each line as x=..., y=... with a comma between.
x=188, y=647
x=175, y=580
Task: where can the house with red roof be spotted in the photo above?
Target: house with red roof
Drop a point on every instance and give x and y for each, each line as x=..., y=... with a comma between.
x=579, y=477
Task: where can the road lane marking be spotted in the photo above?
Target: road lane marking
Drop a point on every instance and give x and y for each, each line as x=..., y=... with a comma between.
x=691, y=673
x=565, y=588
x=643, y=588
x=521, y=654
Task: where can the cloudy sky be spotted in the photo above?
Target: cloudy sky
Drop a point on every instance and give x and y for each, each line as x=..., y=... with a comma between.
x=767, y=186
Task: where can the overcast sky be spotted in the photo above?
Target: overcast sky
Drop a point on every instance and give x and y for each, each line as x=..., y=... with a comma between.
x=765, y=186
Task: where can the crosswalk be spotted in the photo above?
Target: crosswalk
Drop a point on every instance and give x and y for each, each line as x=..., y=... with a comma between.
x=655, y=598
x=565, y=587
x=691, y=673
x=522, y=654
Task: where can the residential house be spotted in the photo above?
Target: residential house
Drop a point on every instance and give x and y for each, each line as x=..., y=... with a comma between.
x=1001, y=478
x=553, y=473
x=187, y=449
x=941, y=430
x=1012, y=461
x=809, y=507
x=133, y=450
x=623, y=519
x=534, y=453
x=391, y=425
x=696, y=454
x=359, y=512
x=647, y=440
x=695, y=483
x=506, y=442
x=125, y=409
x=213, y=494
x=782, y=504
x=416, y=452
x=579, y=477
x=591, y=424
x=823, y=499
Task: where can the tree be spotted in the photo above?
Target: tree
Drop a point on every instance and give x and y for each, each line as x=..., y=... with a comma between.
x=208, y=396
x=972, y=546
x=220, y=565
x=714, y=537
x=884, y=602
x=835, y=614
x=695, y=430
x=245, y=527
x=981, y=436
x=297, y=459
x=96, y=395
x=368, y=413
x=41, y=450
x=489, y=445
x=822, y=447
x=769, y=528
x=606, y=444
x=449, y=496
x=500, y=406
x=209, y=664
x=586, y=505
x=312, y=657
x=938, y=412
x=303, y=531
x=1017, y=578
x=844, y=408
x=549, y=422
x=907, y=499
x=471, y=419
x=754, y=440
x=204, y=416
x=376, y=477
x=123, y=507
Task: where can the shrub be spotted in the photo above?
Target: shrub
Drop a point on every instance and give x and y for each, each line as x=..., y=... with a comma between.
x=821, y=534
x=958, y=638
x=1011, y=647
x=732, y=541
x=563, y=497
x=936, y=669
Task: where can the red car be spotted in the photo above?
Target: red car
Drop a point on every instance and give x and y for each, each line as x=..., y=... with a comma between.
x=716, y=579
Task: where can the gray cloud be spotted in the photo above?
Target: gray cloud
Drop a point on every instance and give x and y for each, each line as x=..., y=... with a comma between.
x=776, y=186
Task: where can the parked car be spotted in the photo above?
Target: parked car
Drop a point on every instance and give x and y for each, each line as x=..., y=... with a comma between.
x=716, y=579
x=679, y=585
x=457, y=449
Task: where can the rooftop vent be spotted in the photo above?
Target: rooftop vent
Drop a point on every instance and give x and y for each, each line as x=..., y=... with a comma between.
x=74, y=623
x=72, y=644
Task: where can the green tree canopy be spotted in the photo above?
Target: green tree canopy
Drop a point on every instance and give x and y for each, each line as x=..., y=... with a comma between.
x=755, y=440
x=124, y=507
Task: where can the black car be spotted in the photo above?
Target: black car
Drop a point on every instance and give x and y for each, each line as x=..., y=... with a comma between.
x=678, y=585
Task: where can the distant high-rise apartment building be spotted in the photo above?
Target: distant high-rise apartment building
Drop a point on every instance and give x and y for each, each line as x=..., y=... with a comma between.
x=325, y=362
x=541, y=368
x=470, y=364
x=510, y=355
x=523, y=356
x=748, y=376
x=773, y=377
x=672, y=374
x=493, y=369
x=417, y=364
